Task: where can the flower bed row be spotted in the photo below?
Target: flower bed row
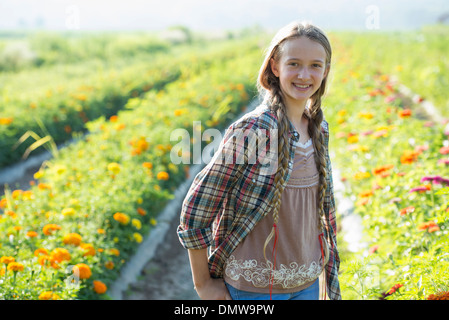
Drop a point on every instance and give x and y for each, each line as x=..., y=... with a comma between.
x=393, y=165
x=417, y=58
x=68, y=103
x=69, y=235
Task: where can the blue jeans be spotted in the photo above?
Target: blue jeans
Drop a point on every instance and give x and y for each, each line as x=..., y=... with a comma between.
x=310, y=293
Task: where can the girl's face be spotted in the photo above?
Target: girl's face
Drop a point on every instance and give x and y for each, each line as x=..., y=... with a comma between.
x=300, y=69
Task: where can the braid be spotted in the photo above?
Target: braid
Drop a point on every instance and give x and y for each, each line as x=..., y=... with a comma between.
x=283, y=157
x=315, y=133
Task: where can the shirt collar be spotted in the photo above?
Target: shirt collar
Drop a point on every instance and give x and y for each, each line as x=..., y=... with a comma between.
x=292, y=132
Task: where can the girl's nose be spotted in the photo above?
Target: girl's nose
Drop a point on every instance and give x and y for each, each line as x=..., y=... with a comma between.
x=303, y=73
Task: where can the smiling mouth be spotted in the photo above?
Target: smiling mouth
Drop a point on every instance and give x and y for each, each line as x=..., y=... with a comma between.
x=301, y=86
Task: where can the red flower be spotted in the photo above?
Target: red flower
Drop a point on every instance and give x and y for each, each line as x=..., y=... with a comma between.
x=373, y=249
x=444, y=150
x=395, y=288
x=404, y=211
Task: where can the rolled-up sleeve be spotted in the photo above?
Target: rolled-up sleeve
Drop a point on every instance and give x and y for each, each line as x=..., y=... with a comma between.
x=210, y=188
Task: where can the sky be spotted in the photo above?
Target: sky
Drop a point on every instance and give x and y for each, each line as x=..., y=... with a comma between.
x=216, y=15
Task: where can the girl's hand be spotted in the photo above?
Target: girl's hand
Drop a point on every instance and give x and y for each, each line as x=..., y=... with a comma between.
x=213, y=289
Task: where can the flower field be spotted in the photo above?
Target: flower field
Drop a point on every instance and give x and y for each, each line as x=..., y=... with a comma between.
x=394, y=163
x=69, y=234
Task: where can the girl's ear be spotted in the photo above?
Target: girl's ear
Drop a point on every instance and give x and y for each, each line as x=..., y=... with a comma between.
x=274, y=67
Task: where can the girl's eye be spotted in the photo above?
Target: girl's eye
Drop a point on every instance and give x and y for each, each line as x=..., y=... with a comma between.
x=316, y=65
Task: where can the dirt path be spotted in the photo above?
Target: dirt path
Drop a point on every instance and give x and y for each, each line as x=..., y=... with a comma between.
x=167, y=276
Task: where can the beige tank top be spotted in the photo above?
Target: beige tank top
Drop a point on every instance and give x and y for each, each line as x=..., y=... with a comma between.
x=298, y=260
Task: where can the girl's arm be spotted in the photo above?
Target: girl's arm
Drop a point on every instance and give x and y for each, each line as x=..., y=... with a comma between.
x=207, y=288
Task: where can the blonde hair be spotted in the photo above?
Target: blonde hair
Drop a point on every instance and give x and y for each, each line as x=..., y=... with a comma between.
x=268, y=84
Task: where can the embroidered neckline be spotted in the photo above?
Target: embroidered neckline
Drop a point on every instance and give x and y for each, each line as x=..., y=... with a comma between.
x=308, y=143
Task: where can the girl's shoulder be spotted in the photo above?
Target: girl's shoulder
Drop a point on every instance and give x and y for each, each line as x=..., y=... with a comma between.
x=261, y=117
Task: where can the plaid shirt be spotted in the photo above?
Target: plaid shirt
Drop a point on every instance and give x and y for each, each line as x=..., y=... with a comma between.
x=228, y=197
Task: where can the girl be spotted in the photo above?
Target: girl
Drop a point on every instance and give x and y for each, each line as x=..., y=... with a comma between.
x=254, y=233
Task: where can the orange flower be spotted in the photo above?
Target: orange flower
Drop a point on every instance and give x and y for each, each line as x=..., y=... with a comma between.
x=353, y=139
x=82, y=270
x=147, y=165
x=404, y=211
x=109, y=265
x=7, y=260
x=408, y=157
x=60, y=254
x=89, y=249
x=3, y=203
x=6, y=121
x=99, y=287
x=31, y=234
x=15, y=266
x=382, y=169
x=429, y=226
x=49, y=228
x=405, y=113
x=162, y=175
x=43, y=186
x=72, y=238
x=395, y=288
x=444, y=150
x=443, y=295
x=39, y=251
x=123, y=218
x=48, y=295
x=366, y=194
x=141, y=211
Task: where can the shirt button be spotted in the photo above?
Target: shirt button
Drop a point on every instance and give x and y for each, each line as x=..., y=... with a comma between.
x=254, y=180
x=296, y=134
x=289, y=164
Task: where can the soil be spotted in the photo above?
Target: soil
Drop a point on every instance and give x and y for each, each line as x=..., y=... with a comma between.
x=167, y=276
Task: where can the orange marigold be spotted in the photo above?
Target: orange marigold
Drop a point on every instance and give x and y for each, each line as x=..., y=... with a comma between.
x=31, y=234
x=15, y=266
x=60, y=254
x=162, y=175
x=99, y=287
x=48, y=295
x=141, y=211
x=39, y=251
x=7, y=260
x=82, y=271
x=123, y=218
x=109, y=265
x=88, y=249
x=72, y=238
x=443, y=295
x=49, y=228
